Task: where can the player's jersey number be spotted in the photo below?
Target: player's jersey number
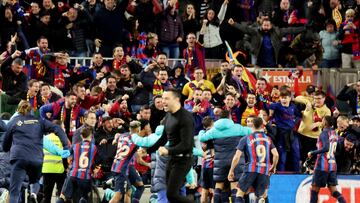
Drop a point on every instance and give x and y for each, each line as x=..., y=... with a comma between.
x=84, y=160
x=332, y=150
x=122, y=151
x=261, y=153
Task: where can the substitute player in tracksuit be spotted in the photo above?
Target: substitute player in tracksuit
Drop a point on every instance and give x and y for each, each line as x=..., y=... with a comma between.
x=226, y=134
x=325, y=165
x=24, y=140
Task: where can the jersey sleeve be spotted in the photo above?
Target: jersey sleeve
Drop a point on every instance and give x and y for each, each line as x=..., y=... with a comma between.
x=242, y=144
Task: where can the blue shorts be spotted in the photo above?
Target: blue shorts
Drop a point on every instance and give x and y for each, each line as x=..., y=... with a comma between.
x=207, y=181
x=121, y=183
x=259, y=182
x=72, y=184
x=221, y=174
x=134, y=175
x=323, y=179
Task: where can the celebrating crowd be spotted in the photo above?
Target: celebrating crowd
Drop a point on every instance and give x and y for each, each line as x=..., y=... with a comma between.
x=102, y=124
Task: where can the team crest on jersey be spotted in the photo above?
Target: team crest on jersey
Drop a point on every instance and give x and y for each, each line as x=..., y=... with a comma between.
x=19, y=123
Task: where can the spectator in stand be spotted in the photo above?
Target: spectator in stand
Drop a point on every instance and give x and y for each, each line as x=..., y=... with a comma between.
x=104, y=136
x=76, y=21
x=224, y=67
x=89, y=122
x=145, y=11
x=86, y=100
x=8, y=25
x=66, y=110
x=32, y=19
x=47, y=96
x=266, y=41
x=120, y=110
x=282, y=15
x=148, y=48
x=112, y=92
x=144, y=113
x=37, y=69
x=171, y=31
x=351, y=93
x=157, y=112
x=31, y=94
x=90, y=7
x=13, y=81
x=330, y=44
x=232, y=105
x=194, y=55
x=310, y=126
x=189, y=20
x=342, y=123
x=211, y=30
x=177, y=78
x=307, y=49
x=349, y=36
x=109, y=23
x=61, y=74
x=161, y=83
x=50, y=8
x=199, y=82
x=285, y=114
x=199, y=108
x=262, y=92
x=250, y=107
x=346, y=153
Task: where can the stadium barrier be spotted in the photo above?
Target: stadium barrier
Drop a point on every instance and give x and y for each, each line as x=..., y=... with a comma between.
x=296, y=189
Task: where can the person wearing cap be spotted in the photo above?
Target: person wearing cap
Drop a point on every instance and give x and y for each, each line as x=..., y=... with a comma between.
x=346, y=153
x=351, y=93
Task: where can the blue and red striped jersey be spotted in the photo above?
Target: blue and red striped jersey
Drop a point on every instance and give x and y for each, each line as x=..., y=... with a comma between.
x=124, y=154
x=208, y=160
x=257, y=147
x=83, y=158
x=326, y=145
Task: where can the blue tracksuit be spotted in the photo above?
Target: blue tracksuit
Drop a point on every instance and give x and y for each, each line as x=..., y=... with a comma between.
x=24, y=140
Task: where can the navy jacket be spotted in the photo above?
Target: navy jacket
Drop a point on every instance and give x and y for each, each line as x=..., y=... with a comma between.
x=24, y=137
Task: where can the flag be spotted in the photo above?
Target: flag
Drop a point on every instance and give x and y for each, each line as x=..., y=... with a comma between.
x=246, y=74
x=330, y=93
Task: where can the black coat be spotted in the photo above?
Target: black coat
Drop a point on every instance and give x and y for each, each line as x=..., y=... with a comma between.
x=12, y=83
x=347, y=94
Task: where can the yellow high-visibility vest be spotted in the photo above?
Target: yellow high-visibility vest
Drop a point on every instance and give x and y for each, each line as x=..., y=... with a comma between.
x=53, y=163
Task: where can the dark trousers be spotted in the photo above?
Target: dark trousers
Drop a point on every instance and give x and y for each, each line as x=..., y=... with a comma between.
x=176, y=170
x=19, y=169
x=49, y=182
x=307, y=144
x=287, y=142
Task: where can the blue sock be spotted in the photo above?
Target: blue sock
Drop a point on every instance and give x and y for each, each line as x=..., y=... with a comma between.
x=137, y=195
x=239, y=200
x=224, y=197
x=217, y=195
x=233, y=195
x=313, y=196
x=339, y=197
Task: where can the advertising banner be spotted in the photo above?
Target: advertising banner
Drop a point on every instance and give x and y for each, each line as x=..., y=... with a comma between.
x=279, y=78
x=296, y=189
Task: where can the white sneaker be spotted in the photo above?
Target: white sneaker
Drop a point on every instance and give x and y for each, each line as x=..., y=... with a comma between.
x=5, y=196
x=33, y=198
